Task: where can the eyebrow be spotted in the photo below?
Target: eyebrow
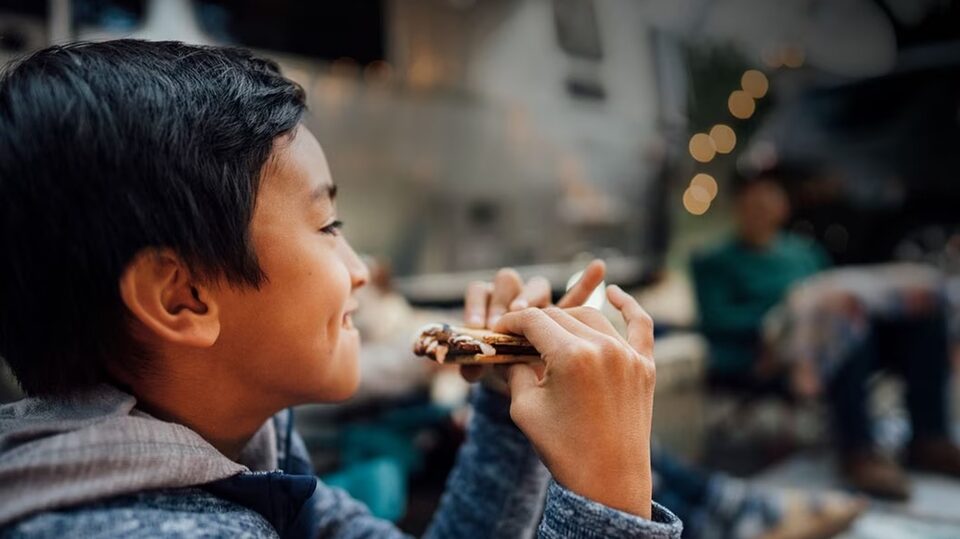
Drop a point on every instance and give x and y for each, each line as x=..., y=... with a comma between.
x=328, y=191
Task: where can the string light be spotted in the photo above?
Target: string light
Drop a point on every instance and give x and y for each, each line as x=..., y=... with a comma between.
x=771, y=57
x=755, y=83
x=741, y=104
x=696, y=200
x=701, y=147
x=423, y=72
x=378, y=71
x=723, y=137
x=793, y=56
x=707, y=183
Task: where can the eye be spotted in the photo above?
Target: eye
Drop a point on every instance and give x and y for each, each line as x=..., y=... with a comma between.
x=333, y=228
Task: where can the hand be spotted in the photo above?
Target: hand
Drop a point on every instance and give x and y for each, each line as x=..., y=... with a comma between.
x=805, y=380
x=485, y=303
x=589, y=416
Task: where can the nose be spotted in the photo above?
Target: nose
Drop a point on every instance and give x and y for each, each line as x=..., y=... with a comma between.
x=359, y=272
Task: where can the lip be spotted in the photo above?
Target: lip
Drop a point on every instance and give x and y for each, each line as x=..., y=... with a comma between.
x=347, y=321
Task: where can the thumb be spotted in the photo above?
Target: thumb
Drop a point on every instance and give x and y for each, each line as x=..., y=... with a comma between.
x=521, y=378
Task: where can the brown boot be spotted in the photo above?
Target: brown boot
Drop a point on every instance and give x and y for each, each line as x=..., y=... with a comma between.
x=937, y=455
x=816, y=516
x=875, y=474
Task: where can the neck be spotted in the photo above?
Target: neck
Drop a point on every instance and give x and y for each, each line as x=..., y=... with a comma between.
x=758, y=240
x=205, y=405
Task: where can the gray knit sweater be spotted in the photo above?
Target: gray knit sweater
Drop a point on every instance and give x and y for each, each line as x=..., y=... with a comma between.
x=95, y=466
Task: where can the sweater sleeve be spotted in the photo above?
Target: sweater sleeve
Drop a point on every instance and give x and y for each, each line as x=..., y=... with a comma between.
x=570, y=515
x=498, y=488
x=498, y=485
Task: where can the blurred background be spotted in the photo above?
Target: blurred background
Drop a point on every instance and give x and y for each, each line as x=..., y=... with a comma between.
x=468, y=135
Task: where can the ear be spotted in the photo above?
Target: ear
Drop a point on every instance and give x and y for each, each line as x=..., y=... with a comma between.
x=157, y=288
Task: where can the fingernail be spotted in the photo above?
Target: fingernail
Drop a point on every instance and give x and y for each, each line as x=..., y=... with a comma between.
x=519, y=304
x=492, y=320
x=475, y=319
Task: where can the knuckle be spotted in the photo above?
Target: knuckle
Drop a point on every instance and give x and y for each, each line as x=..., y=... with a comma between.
x=585, y=351
x=530, y=315
x=643, y=318
x=587, y=313
x=611, y=348
x=647, y=369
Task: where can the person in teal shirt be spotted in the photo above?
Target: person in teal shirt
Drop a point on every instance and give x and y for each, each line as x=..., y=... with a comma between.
x=742, y=279
x=737, y=284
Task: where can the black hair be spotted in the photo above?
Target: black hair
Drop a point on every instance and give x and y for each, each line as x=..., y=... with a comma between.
x=785, y=175
x=107, y=149
x=741, y=183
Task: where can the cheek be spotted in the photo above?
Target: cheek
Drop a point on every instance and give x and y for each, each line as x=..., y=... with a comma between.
x=330, y=290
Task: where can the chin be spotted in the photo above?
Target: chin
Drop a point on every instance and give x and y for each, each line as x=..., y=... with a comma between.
x=343, y=383
x=343, y=393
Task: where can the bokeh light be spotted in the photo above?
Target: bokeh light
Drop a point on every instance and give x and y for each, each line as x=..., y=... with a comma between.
x=696, y=200
x=723, y=137
x=755, y=83
x=706, y=183
x=378, y=71
x=771, y=57
x=345, y=67
x=701, y=147
x=741, y=105
x=793, y=56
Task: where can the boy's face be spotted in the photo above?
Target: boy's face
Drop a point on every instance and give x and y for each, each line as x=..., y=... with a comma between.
x=293, y=338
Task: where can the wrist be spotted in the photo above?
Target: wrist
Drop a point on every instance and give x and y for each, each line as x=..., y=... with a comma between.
x=629, y=490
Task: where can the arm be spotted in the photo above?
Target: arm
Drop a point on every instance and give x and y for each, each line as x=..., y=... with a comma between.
x=498, y=485
x=496, y=489
x=588, y=415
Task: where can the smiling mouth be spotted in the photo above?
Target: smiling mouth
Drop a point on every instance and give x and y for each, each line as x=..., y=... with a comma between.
x=347, y=322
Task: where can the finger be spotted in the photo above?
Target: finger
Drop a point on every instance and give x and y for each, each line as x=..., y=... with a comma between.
x=548, y=337
x=594, y=319
x=475, y=304
x=538, y=368
x=570, y=323
x=577, y=327
x=639, y=323
x=506, y=286
x=536, y=293
x=472, y=373
x=592, y=276
x=521, y=379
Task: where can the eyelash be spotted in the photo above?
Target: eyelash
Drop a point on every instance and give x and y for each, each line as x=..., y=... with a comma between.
x=333, y=228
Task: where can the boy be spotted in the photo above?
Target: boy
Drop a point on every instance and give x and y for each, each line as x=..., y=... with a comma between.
x=175, y=276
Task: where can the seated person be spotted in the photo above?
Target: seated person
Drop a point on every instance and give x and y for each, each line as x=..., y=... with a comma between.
x=740, y=282
x=175, y=276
